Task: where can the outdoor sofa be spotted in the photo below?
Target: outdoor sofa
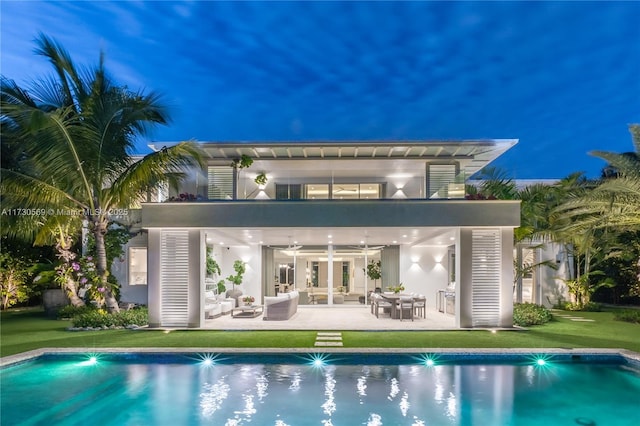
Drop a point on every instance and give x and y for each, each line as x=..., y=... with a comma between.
x=280, y=307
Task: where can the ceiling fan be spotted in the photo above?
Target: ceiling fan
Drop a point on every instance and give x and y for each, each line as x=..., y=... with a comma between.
x=343, y=189
x=363, y=247
x=289, y=247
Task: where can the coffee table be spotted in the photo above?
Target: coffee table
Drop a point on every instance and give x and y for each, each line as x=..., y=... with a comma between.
x=247, y=311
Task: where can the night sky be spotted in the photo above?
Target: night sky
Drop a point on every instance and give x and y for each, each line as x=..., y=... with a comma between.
x=563, y=77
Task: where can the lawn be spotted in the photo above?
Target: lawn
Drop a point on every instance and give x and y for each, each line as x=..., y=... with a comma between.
x=26, y=329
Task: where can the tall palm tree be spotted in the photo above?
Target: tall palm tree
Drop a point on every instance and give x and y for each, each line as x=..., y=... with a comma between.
x=615, y=201
x=79, y=130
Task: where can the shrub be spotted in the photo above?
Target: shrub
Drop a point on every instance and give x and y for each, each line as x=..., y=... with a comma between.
x=525, y=314
x=629, y=315
x=71, y=311
x=587, y=307
x=101, y=318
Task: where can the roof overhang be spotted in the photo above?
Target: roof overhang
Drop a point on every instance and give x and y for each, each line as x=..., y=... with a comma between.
x=477, y=153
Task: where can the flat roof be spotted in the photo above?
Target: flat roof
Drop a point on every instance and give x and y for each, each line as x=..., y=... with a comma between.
x=478, y=153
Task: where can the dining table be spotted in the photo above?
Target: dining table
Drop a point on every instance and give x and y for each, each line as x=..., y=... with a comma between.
x=393, y=298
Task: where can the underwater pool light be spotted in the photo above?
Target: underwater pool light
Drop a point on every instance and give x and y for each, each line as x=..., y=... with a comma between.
x=207, y=359
x=318, y=360
x=541, y=362
x=91, y=360
x=428, y=360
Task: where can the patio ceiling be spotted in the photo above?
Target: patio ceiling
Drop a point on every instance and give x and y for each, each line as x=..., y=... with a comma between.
x=283, y=237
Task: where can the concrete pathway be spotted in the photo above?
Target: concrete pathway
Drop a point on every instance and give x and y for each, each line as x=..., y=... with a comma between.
x=328, y=339
x=570, y=317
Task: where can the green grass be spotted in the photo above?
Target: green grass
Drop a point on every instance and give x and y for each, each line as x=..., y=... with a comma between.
x=26, y=329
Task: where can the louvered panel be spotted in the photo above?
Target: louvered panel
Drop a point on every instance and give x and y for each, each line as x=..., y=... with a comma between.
x=485, y=277
x=439, y=178
x=220, y=182
x=174, y=278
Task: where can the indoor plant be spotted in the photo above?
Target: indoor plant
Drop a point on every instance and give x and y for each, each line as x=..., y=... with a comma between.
x=240, y=267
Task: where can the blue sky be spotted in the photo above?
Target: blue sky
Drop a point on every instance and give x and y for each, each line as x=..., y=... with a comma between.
x=563, y=77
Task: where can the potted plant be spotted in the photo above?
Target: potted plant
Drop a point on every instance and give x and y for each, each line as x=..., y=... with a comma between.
x=396, y=289
x=261, y=180
x=213, y=268
x=221, y=287
x=240, y=268
x=374, y=271
x=238, y=164
x=248, y=300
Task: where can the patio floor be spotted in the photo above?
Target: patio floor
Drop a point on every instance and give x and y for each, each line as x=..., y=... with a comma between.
x=335, y=318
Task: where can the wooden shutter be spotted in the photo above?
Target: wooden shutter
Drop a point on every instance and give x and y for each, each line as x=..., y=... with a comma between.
x=439, y=178
x=220, y=182
x=486, y=277
x=174, y=278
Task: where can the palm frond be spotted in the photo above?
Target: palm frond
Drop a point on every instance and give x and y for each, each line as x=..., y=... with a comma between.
x=19, y=190
x=151, y=171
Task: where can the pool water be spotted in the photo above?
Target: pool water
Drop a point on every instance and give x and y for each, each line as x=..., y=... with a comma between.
x=333, y=389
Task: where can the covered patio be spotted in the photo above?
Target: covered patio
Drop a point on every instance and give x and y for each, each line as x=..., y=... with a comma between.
x=341, y=318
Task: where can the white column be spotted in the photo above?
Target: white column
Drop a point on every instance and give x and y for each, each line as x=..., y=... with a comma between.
x=153, y=277
x=464, y=289
x=197, y=253
x=330, y=274
x=506, y=286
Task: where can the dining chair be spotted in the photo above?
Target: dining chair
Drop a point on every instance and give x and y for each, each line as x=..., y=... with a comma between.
x=420, y=305
x=381, y=303
x=405, y=303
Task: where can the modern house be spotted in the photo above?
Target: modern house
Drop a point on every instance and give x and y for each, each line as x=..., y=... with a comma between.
x=313, y=215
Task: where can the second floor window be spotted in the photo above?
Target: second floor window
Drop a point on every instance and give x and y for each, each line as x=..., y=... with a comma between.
x=288, y=191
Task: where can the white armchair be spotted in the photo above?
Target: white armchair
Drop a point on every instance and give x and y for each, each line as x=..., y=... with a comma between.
x=212, y=309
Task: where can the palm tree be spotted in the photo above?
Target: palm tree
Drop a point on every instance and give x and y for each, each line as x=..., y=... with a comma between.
x=615, y=201
x=611, y=205
x=79, y=129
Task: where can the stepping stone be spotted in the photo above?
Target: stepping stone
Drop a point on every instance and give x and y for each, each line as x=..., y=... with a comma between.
x=329, y=334
x=328, y=344
x=582, y=320
x=328, y=338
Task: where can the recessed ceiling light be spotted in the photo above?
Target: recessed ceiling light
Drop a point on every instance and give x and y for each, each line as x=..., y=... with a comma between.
x=394, y=241
x=221, y=242
x=261, y=241
x=328, y=236
x=404, y=236
x=249, y=236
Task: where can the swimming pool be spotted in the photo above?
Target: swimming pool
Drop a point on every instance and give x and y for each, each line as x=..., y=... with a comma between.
x=321, y=389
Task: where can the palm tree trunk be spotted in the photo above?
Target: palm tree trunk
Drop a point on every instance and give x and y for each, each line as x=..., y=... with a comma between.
x=70, y=286
x=71, y=289
x=99, y=229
